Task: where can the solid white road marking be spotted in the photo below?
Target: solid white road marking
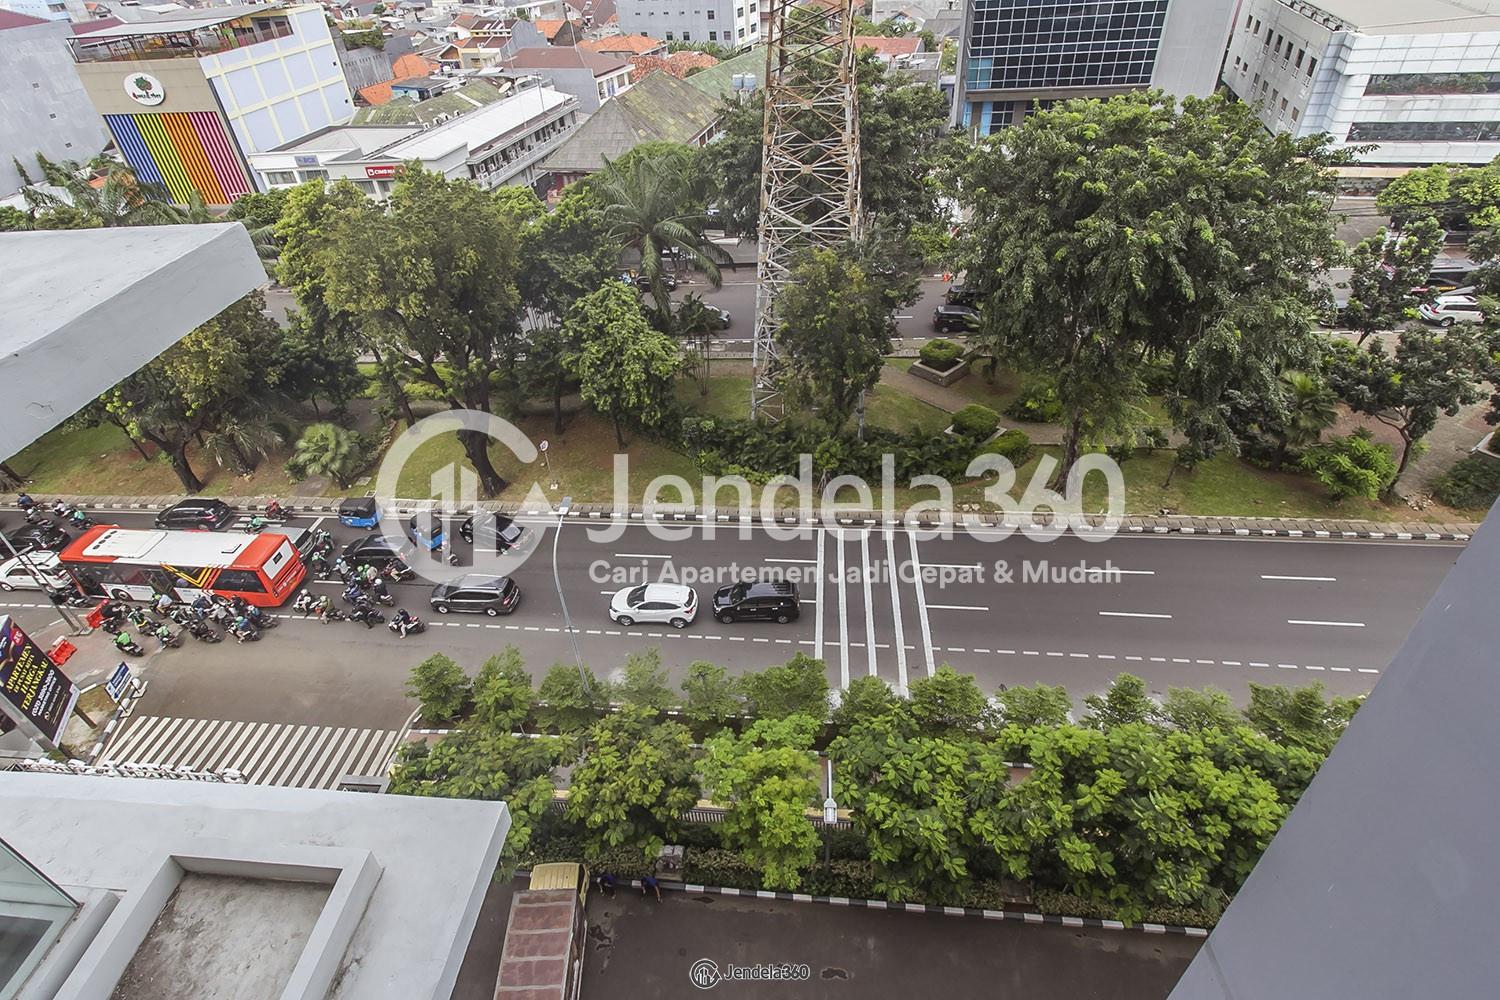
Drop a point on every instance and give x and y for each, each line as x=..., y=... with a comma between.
x=890, y=555
x=1131, y=614
x=843, y=616
x=1310, y=621
x=1305, y=579
x=800, y=562
x=916, y=566
x=956, y=607
x=818, y=626
x=638, y=555
x=864, y=554
x=1121, y=572
x=978, y=566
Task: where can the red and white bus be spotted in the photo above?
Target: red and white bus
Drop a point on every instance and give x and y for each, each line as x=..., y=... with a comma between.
x=131, y=564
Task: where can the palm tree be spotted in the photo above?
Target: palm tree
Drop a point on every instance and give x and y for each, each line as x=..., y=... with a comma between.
x=241, y=441
x=121, y=200
x=328, y=450
x=652, y=207
x=1311, y=407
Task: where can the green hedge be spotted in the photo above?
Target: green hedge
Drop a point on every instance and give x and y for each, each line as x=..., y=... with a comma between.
x=1472, y=483
x=719, y=867
x=1037, y=402
x=975, y=422
x=1064, y=904
x=940, y=354
x=1014, y=445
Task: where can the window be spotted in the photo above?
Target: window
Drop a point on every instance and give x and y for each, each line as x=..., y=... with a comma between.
x=739, y=12
x=280, y=176
x=315, y=175
x=1041, y=43
x=1301, y=54
x=710, y=15
x=713, y=36
x=1425, y=132
x=1248, y=19
x=742, y=32
x=687, y=36
x=1283, y=105
x=1433, y=83
x=1255, y=82
x=1269, y=33
x=243, y=580
x=1295, y=114
x=1279, y=39
x=669, y=36
x=1257, y=25
x=1312, y=64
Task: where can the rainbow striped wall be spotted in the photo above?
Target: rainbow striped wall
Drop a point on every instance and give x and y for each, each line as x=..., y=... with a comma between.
x=186, y=151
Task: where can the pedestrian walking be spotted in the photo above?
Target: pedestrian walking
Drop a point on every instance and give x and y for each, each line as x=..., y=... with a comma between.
x=649, y=885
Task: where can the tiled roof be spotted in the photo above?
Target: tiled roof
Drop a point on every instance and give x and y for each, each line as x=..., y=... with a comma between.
x=659, y=107
x=564, y=57
x=623, y=43
x=11, y=19
x=600, y=10
x=548, y=27
x=412, y=64
x=376, y=93
x=888, y=47
x=677, y=64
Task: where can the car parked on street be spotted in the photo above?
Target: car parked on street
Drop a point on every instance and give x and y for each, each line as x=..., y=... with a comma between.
x=960, y=295
x=202, y=513
x=17, y=574
x=771, y=601
x=496, y=532
x=476, y=593
x=954, y=319
x=1446, y=310
x=654, y=603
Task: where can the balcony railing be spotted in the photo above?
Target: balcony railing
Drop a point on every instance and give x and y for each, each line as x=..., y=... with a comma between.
x=177, y=44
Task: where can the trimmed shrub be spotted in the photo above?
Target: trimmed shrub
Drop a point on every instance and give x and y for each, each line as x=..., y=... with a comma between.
x=1472, y=483
x=975, y=421
x=941, y=355
x=1037, y=403
x=1014, y=445
x=1065, y=904
x=850, y=879
x=708, y=866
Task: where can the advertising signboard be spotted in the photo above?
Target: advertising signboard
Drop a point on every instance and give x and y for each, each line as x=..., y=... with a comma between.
x=33, y=691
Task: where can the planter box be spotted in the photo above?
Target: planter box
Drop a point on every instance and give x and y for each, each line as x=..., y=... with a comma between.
x=936, y=377
x=1487, y=445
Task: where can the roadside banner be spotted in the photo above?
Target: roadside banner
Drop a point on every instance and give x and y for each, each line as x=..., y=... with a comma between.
x=33, y=691
x=118, y=682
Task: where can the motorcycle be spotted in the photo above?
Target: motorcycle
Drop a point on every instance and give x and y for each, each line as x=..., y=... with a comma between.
x=69, y=597
x=404, y=624
x=168, y=639
x=305, y=604
x=366, y=616
x=203, y=631
x=243, y=631
x=128, y=645
x=378, y=593
x=277, y=511
x=33, y=515
x=140, y=620
x=79, y=520
x=254, y=615
x=397, y=571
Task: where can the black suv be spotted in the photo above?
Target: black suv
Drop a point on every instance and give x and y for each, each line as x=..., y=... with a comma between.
x=377, y=550
x=954, y=319
x=961, y=295
x=493, y=595
x=497, y=531
x=196, y=512
x=772, y=601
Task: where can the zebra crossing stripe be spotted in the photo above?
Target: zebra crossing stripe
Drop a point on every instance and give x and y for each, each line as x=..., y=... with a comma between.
x=265, y=753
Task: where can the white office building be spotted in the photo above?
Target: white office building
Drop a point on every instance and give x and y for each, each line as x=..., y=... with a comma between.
x=732, y=23
x=498, y=144
x=1419, y=80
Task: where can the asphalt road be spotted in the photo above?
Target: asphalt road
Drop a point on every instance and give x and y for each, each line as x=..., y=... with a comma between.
x=640, y=948
x=1178, y=611
x=738, y=296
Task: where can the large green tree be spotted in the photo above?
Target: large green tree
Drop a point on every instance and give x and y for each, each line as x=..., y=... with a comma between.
x=625, y=369
x=1430, y=373
x=835, y=330
x=1387, y=266
x=634, y=782
x=1108, y=233
x=767, y=779
x=439, y=294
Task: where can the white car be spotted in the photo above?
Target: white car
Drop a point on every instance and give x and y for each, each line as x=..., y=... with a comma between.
x=667, y=603
x=1446, y=310
x=14, y=574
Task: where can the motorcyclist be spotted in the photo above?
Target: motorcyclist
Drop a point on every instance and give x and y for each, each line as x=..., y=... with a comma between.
x=163, y=604
x=59, y=509
x=24, y=501
x=303, y=604
x=402, y=621
x=138, y=619
x=257, y=523
x=317, y=561
x=369, y=573
x=342, y=568
x=323, y=608
x=202, y=606
x=165, y=635
x=241, y=628
x=125, y=644
x=78, y=519
x=274, y=509
x=354, y=594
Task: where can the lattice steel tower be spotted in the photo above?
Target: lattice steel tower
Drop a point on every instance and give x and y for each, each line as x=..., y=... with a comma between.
x=809, y=189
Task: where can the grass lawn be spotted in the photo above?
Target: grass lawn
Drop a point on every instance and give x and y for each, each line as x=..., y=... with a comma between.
x=101, y=461
x=888, y=408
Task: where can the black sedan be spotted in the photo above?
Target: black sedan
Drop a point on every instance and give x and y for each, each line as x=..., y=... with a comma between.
x=376, y=550
x=35, y=537
x=196, y=512
x=954, y=319
x=496, y=531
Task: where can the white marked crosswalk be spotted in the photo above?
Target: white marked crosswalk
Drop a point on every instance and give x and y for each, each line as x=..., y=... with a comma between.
x=265, y=753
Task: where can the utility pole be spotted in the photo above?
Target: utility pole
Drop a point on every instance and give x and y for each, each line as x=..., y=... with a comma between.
x=809, y=187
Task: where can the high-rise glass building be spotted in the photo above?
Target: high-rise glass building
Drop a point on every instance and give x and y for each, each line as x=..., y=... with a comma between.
x=1015, y=53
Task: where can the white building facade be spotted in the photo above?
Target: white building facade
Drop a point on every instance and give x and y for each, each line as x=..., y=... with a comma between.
x=1418, y=80
x=496, y=145
x=731, y=23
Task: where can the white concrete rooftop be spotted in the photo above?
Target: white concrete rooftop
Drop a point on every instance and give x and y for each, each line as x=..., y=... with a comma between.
x=1413, y=17
x=80, y=309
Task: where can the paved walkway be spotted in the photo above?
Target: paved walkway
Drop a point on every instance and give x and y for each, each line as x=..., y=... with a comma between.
x=952, y=399
x=1450, y=441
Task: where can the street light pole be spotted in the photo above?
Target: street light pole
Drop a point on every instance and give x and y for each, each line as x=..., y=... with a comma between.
x=830, y=816
x=562, y=512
